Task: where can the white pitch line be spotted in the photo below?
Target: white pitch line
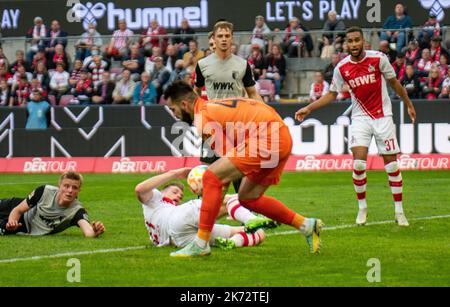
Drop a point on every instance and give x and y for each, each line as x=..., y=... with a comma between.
x=425, y=218
x=124, y=249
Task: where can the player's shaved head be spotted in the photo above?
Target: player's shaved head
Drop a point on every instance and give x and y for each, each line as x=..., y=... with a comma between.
x=180, y=99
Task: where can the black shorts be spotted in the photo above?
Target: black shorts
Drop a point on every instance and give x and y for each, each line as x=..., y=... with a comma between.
x=6, y=206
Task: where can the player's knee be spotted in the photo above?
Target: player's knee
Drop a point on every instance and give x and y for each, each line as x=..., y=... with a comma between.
x=359, y=165
x=249, y=203
x=211, y=179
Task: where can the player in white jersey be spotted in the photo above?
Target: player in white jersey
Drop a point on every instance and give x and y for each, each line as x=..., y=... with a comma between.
x=367, y=74
x=171, y=223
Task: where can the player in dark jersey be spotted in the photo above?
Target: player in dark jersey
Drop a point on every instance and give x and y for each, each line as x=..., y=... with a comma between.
x=48, y=210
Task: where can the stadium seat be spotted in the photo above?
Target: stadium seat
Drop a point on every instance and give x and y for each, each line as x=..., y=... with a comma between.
x=162, y=101
x=65, y=100
x=266, y=88
x=52, y=100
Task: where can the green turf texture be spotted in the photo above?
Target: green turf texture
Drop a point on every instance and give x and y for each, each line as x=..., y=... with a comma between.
x=414, y=256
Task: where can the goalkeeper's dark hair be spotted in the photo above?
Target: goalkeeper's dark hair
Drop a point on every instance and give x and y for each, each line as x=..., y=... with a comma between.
x=178, y=91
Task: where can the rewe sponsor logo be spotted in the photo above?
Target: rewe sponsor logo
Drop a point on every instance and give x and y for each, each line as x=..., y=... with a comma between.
x=140, y=18
x=37, y=165
x=364, y=80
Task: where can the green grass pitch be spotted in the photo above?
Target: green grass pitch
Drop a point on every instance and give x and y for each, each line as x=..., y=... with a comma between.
x=414, y=256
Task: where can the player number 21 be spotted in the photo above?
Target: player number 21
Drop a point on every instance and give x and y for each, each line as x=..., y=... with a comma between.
x=390, y=144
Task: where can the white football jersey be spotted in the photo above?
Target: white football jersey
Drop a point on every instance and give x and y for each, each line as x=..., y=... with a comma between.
x=367, y=82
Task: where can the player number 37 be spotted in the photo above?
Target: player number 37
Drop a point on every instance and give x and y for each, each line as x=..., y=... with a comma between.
x=390, y=144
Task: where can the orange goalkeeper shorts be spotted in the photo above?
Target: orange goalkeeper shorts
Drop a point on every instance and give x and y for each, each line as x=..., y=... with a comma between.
x=265, y=163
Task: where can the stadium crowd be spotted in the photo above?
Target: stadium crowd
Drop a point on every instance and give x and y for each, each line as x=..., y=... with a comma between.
x=126, y=70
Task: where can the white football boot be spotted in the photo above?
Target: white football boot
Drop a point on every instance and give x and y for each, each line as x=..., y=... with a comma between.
x=361, y=219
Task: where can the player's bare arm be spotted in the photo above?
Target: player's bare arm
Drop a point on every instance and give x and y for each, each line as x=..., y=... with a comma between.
x=144, y=190
x=93, y=230
x=15, y=215
x=401, y=92
x=253, y=93
x=301, y=114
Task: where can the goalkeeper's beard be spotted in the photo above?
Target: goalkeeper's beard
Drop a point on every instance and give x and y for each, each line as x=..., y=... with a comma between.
x=186, y=117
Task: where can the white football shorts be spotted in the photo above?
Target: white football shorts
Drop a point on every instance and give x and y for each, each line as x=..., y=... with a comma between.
x=382, y=129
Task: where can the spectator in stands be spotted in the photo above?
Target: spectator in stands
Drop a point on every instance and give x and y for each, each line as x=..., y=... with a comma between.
x=183, y=35
x=176, y=73
x=319, y=87
x=37, y=86
x=260, y=37
x=97, y=67
x=3, y=60
x=186, y=77
x=234, y=49
x=20, y=92
x=424, y=65
x=88, y=39
x=413, y=52
x=150, y=61
x=329, y=70
x=430, y=30
x=135, y=62
x=59, y=82
x=275, y=69
x=144, y=92
x=432, y=87
x=120, y=42
x=82, y=91
x=95, y=50
x=191, y=57
x=36, y=36
x=41, y=74
x=20, y=73
x=103, y=91
x=38, y=112
x=160, y=76
x=170, y=57
x=411, y=82
x=390, y=53
x=436, y=49
x=4, y=93
x=327, y=49
x=399, y=65
x=396, y=22
x=335, y=26
x=154, y=36
x=5, y=75
x=123, y=92
x=297, y=41
x=443, y=65
x=445, y=92
x=58, y=56
x=39, y=57
x=20, y=61
x=55, y=37
x=256, y=61
x=75, y=73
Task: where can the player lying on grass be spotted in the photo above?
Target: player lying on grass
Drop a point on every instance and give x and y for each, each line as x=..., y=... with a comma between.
x=48, y=210
x=171, y=223
x=258, y=155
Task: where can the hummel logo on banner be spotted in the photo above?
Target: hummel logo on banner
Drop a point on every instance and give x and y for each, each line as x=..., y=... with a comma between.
x=436, y=7
x=89, y=12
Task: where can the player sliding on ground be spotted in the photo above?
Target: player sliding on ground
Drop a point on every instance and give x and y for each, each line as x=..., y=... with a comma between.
x=171, y=223
x=366, y=73
x=235, y=126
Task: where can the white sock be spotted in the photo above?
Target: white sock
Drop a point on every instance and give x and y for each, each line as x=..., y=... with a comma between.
x=242, y=239
x=237, y=212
